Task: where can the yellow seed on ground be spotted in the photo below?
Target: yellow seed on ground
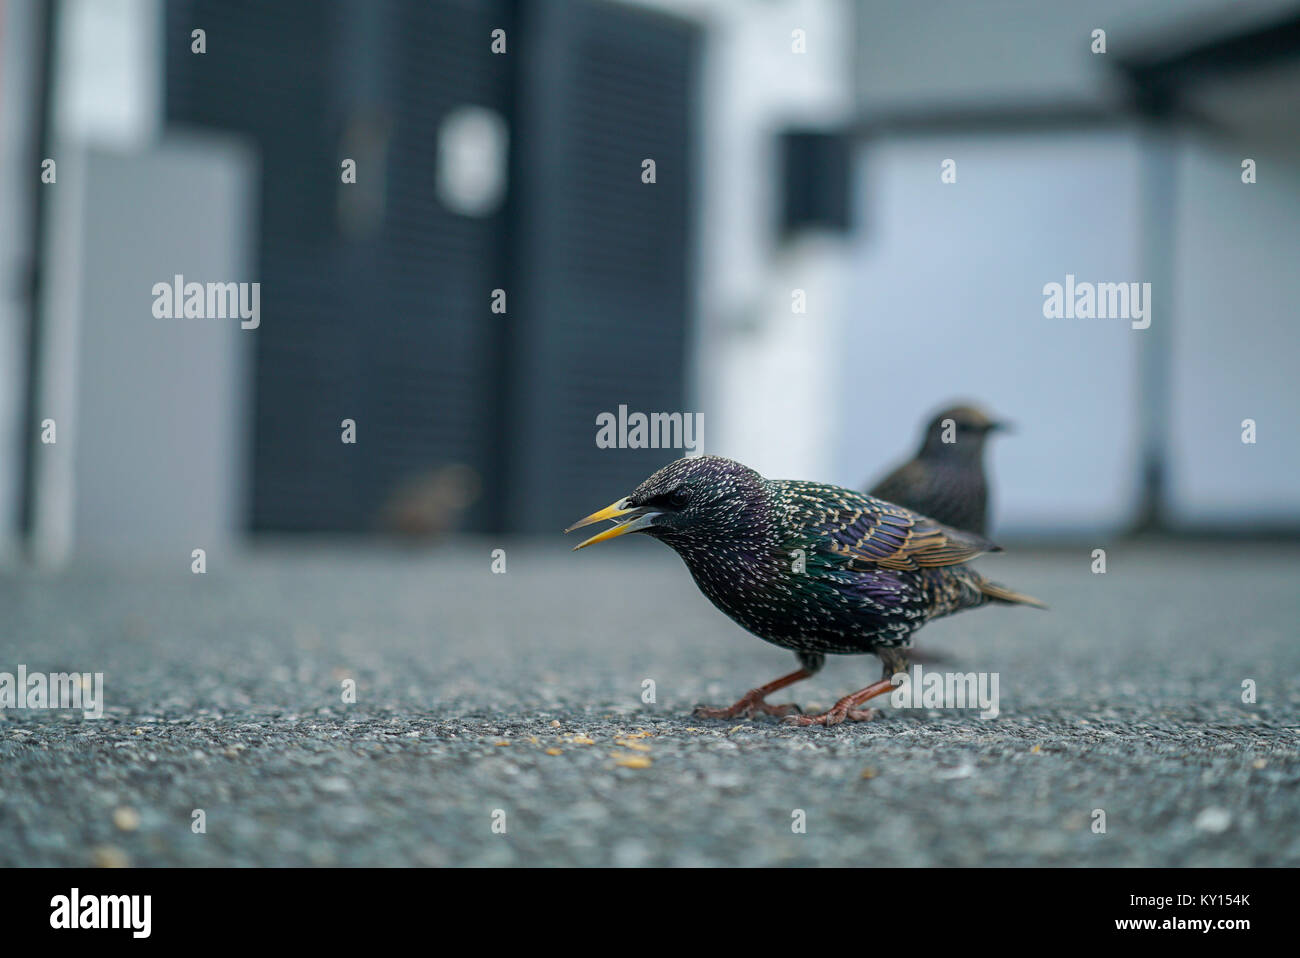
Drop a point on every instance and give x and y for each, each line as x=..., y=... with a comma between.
x=127, y=819
x=106, y=856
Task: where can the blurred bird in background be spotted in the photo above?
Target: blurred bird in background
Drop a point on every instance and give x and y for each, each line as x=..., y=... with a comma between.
x=813, y=568
x=432, y=503
x=946, y=480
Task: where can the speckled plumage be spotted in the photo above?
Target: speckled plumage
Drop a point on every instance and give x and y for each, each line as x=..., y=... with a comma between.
x=945, y=480
x=810, y=567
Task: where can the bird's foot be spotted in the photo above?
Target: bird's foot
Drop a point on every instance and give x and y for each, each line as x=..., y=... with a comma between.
x=834, y=716
x=748, y=706
x=847, y=709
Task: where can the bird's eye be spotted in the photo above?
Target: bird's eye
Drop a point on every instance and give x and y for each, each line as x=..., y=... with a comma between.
x=679, y=497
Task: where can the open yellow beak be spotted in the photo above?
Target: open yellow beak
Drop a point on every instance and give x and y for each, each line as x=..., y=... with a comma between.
x=634, y=520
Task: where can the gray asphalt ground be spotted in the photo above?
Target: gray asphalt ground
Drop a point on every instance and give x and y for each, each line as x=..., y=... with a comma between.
x=521, y=692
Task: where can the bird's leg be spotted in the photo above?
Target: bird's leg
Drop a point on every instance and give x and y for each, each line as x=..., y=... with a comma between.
x=846, y=709
x=752, y=701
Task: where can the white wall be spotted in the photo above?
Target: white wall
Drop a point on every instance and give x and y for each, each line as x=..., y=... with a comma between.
x=151, y=413
x=948, y=304
x=163, y=408
x=1237, y=340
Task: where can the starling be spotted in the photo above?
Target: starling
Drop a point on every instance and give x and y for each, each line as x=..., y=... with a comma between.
x=946, y=479
x=813, y=568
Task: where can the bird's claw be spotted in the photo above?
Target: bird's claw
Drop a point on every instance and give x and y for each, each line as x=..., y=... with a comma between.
x=747, y=707
x=833, y=717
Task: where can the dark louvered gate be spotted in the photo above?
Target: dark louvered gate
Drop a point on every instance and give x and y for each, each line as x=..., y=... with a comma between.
x=388, y=322
x=604, y=283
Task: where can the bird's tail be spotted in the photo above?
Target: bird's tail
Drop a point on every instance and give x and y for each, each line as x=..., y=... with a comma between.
x=1000, y=593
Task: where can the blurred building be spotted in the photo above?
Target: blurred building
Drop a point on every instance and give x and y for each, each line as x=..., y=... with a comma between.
x=798, y=147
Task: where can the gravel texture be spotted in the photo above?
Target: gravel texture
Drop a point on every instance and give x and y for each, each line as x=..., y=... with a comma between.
x=479, y=694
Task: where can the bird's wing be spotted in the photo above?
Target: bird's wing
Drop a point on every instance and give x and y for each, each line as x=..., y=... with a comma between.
x=871, y=532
